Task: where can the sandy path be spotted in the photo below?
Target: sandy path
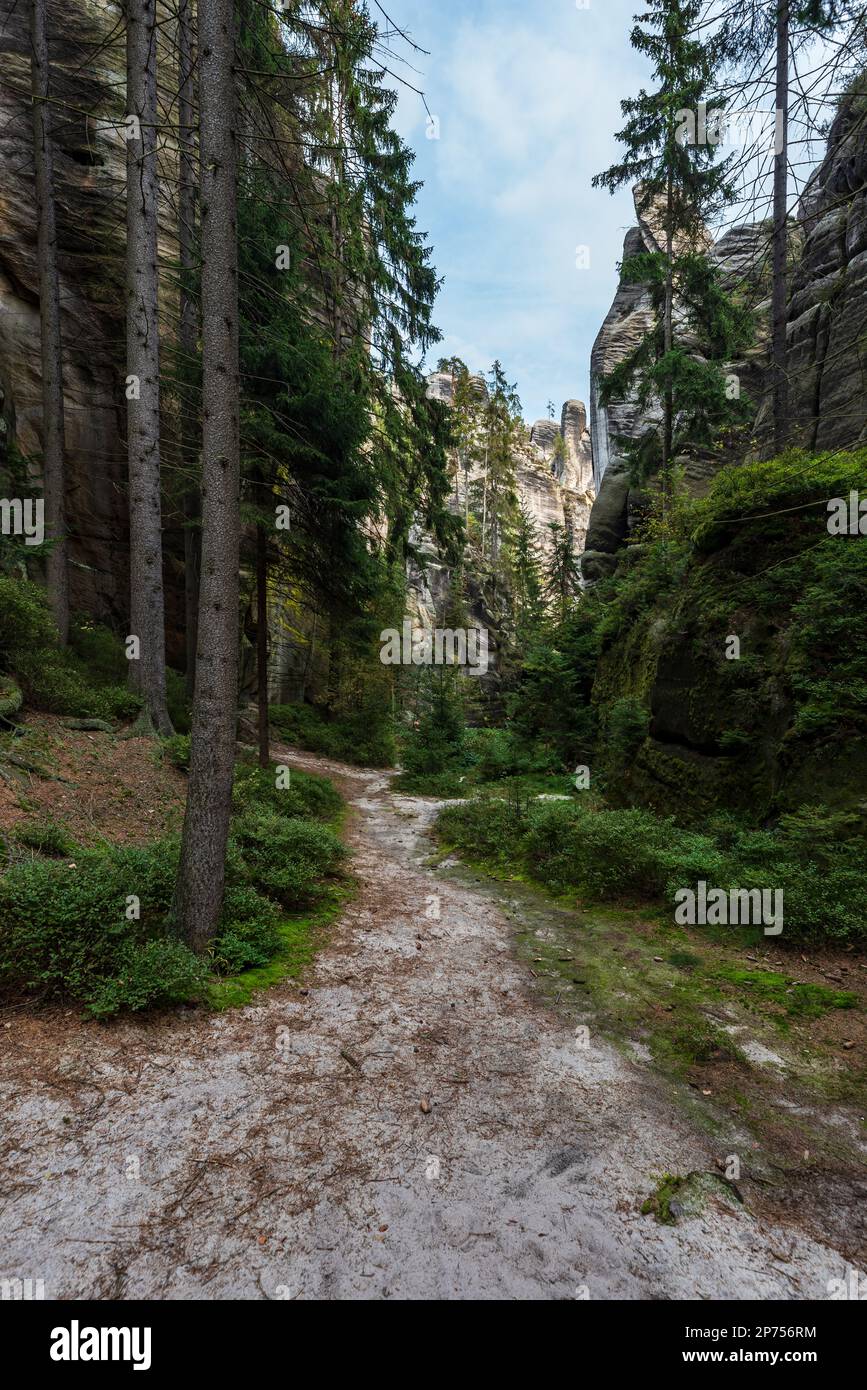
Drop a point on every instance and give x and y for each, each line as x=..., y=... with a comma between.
x=242, y=1156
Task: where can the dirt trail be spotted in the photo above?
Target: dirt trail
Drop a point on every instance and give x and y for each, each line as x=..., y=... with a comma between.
x=280, y=1151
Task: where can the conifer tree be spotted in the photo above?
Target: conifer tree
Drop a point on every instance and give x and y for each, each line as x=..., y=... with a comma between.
x=53, y=421
x=680, y=186
x=147, y=605
x=750, y=31
x=563, y=576
x=201, y=874
x=527, y=575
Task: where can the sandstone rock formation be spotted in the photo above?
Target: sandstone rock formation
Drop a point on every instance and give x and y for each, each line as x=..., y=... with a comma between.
x=89, y=170
x=554, y=477
x=828, y=304
x=827, y=310
x=87, y=73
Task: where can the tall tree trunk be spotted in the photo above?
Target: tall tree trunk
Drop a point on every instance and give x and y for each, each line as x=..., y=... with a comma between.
x=189, y=333
x=201, y=876
x=53, y=429
x=781, y=189
x=262, y=643
x=668, y=345
x=147, y=609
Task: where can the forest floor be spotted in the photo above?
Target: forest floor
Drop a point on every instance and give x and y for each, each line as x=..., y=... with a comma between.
x=421, y=1116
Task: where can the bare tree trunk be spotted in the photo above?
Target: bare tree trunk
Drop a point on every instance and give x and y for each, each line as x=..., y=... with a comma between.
x=308, y=663
x=147, y=610
x=53, y=429
x=781, y=188
x=189, y=332
x=201, y=877
x=485, y=495
x=668, y=345
x=262, y=643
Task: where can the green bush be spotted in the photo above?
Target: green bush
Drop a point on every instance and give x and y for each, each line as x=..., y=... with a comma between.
x=177, y=749
x=305, y=796
x=627, y=727
x=64, y=926
x=499, y=753
x=489, y=830
x=364, y=737
x=153, y=974
x=249, y=931
x=25, y=621
x=44, y=836
x=816, y=858
x=286, y=858
x=60, y=681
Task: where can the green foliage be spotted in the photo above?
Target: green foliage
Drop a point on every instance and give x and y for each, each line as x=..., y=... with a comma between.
x=249, y=932
x=43, y=836
x=434, y=751
x=551, y=705
x=305, y=796
x=500, y=753
x=64, y=927
x=286, y=858
x=155, y=973
x=628, y=723
x=680, y=183
x=363, y=736
x=786, y=722
x=176, y=749
x=85, y=680
x=612, y=854
x=11, y=700
x=829, y=654
x=796, y=998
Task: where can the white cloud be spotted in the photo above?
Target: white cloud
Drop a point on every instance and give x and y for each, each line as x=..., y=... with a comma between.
x=527, y=97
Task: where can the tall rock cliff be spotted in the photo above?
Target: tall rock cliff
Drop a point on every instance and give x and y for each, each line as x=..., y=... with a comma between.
x=551, y=481
x=553, y=484
x=87, y=77
x=827, y=351
x=825, y=340
x=89, y=172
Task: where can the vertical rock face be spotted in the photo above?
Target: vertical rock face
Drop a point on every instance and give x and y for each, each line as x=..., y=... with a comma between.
x=86, y=45
x=551, y=481
x=89, y=174
x=554, y=476
x=627, y=321
x=828, y=305
x=827, y=313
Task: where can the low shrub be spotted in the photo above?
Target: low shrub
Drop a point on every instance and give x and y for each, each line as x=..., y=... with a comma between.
x=176, y=749
x=43, y=836
x=816, y=858
x=364, y=737
x=249, y=932
x=305, y=796
x=155, y=973
x=96, y=926
x=64, y=926
x=286, y=858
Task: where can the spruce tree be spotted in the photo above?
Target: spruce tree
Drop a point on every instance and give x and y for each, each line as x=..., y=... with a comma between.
x=201, y=874
x=750, y=32
x=53, y=419
x=680, y=186
x=563, y=576
x=147, y=604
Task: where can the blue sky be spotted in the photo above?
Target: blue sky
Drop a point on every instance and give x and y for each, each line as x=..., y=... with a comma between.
x=526, y=94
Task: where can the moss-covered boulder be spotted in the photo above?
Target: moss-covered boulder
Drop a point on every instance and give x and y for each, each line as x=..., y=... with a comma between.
x=733, y=668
